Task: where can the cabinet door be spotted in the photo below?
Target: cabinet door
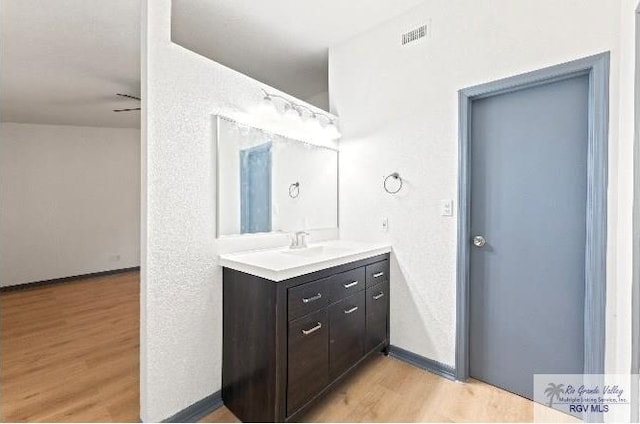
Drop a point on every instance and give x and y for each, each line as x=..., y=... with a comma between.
x=346, y=333
x=377, y=314
x=308, y=359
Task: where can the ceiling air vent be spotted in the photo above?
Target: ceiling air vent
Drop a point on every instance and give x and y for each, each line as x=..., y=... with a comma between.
x=414, y=35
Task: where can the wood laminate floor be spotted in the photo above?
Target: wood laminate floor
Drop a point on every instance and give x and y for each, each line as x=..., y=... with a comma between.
x=70, y=353
x=388, y=390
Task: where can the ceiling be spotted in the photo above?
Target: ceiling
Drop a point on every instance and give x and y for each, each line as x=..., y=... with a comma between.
x=64, y=60
x=283, y=43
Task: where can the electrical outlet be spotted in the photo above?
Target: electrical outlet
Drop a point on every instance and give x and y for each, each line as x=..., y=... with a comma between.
x=385, y=224
x=446, y=207
x=114, y=258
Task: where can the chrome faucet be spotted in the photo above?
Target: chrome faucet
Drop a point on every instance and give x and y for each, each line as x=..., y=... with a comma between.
x=299, y=240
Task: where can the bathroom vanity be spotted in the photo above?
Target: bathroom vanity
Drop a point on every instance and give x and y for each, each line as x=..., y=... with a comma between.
x=295, y=322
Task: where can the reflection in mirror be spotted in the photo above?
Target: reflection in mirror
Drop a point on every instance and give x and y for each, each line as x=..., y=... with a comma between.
x=270, y=183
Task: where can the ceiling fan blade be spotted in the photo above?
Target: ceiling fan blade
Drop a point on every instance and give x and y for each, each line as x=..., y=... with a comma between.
x=128, y=96
x=126, y=110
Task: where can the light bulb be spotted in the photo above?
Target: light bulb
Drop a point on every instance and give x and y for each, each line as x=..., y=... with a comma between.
x=281, y=106
x=266, y=106
x=332, y=132
x=305, y=115
x=323, y=121
x=291, y=111
x=313, y=124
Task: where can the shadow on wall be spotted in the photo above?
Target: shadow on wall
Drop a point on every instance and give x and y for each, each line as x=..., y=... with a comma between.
x=410, y=313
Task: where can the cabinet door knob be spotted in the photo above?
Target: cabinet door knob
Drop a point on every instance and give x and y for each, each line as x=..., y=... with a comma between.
x=349, y=285
x=378, y=274
x=350, y=311
x=378, y=296
x=312, y=329
x=312, y=298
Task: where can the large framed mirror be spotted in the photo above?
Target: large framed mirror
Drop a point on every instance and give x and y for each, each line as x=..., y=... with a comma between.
x=270, y=183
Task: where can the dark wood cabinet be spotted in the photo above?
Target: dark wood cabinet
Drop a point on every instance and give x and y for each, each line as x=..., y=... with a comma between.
x=287, y=343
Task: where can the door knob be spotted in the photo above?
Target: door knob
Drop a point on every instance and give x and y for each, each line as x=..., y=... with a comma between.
x=479, y=241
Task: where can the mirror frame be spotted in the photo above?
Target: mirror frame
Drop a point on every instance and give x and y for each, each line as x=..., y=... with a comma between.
x=217, y=118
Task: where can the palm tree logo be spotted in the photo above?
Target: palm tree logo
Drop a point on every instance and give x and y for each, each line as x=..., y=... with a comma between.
x=553, y=390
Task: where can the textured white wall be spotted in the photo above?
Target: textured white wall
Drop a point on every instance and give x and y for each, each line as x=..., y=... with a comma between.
x=409, y=122
x=181, y=302
x=70, y=201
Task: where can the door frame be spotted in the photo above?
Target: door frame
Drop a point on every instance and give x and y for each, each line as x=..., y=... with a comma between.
x=635, y=285
x=597, y=68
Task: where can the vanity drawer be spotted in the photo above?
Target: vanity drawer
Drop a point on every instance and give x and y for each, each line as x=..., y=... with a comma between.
x=347, y=283
x=307, y=298
x=377, y=273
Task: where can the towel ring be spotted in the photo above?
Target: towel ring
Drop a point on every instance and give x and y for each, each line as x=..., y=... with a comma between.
x=396, y=177
x=294, y=190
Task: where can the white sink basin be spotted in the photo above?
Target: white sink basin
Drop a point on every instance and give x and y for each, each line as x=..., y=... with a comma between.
x=283, y=263
x=310, y=252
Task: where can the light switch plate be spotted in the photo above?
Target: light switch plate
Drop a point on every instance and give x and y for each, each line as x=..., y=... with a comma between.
x=385, y=224
x=446, y=207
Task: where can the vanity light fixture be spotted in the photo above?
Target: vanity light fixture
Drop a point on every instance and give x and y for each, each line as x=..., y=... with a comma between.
x=267, y=98
x=292, y=111
x=295, y=110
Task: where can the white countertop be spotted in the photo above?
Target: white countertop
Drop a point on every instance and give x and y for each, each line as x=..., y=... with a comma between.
x=284, y=263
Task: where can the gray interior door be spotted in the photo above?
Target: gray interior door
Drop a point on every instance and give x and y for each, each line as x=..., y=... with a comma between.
x=528, y=201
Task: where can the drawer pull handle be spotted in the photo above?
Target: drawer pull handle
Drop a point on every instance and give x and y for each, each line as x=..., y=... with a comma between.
x=349, y=285
x=378, y=296
x=350, y=311
x=312, y=329
x=312, y=298
x=378, y=274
